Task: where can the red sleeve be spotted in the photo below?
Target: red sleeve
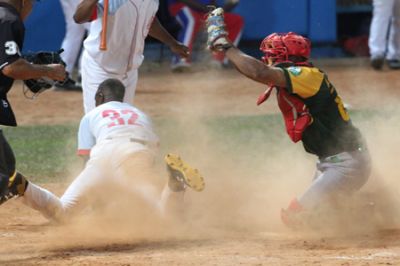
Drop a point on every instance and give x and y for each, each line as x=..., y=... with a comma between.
x=83, y=152
x=94, y=14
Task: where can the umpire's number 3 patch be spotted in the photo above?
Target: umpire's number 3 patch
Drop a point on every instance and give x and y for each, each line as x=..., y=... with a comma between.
x=11, y=48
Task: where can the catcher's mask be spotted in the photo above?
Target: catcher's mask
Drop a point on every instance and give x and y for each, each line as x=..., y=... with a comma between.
x=278, y=47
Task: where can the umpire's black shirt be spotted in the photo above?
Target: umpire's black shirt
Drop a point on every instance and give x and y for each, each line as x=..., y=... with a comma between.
x=12, y=33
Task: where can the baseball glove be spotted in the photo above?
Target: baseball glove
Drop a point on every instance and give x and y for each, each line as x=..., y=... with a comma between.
x=36, y=86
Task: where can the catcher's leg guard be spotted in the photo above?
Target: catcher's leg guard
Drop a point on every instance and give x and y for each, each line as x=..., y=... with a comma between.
x=182, y=175
x=17, y=185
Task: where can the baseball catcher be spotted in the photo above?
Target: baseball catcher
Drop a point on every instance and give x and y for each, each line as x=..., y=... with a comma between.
x=313, y=113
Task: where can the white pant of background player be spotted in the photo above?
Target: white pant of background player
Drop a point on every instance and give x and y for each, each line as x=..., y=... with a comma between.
x=128, y=25
x=74, y=34
x=386, y=14
x=116, y=166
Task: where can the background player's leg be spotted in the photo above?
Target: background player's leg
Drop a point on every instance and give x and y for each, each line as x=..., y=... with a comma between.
x=73, y=36
x=382, y=12
x=393, y=55
x=190, y=22
x=130, y=84
x=92, y=76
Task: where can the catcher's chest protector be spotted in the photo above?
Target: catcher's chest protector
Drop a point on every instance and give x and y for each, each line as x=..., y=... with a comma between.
x=295, y=113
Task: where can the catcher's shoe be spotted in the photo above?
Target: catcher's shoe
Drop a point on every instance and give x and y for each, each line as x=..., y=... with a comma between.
x=17, y=185
x=292, y=216
x=181, y=175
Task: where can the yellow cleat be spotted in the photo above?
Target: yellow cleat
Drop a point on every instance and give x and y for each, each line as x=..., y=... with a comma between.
x=183, y=173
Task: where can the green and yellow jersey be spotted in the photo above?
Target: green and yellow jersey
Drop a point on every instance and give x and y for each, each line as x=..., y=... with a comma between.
x=331, y=130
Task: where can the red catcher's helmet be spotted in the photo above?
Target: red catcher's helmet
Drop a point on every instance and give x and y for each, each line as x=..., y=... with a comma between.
x=279, y=46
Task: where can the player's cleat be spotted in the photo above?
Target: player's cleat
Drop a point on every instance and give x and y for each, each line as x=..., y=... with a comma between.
x=68, y=85
x=182, y=175
x=17, y=185
x=181, y=66
x=292, y=216
x=393, y=64
x=377, y=62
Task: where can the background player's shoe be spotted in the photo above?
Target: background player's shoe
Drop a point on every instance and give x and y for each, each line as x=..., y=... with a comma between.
x=68, y=85
x=17, y=185
x=180, y=66
x=181, y=175
x=393, y=64
x=377, y=62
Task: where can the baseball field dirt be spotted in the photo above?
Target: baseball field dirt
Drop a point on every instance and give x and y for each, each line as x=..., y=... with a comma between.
x=235, y=221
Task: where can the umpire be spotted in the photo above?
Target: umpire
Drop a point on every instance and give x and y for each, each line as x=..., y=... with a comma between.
x=12, y=67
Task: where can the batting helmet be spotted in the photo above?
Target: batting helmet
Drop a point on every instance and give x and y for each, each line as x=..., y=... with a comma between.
x=279, y=46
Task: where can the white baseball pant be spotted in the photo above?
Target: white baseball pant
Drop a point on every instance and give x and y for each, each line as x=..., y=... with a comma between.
x=93, y=74
x=128, y=172
x=74, y=34
x=337, y=175
x=386, y=15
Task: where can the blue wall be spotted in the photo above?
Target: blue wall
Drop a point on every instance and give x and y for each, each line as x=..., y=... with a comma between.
x=313, y=18
x=45, y=27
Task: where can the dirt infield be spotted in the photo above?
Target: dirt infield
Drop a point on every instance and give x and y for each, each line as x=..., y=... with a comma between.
x=233, y=222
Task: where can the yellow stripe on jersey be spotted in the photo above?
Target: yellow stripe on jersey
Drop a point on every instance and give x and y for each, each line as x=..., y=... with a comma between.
x=11, y=179
x=306, y=81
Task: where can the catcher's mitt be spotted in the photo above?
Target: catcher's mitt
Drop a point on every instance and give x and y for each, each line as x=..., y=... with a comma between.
x=36, y=86
x=216, y=29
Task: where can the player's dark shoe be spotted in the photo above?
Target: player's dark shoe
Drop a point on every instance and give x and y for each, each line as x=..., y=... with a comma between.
x=182, y=175
x=17, y=185
x=181, y=67
x=68, y=85
x=377, y=62
x=393, y=64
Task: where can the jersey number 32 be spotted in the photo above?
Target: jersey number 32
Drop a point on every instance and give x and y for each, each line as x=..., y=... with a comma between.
x=121, y=117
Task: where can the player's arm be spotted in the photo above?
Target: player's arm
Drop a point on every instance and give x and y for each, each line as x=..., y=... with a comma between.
x=158, y=32
x=195, y=5
x=86, y=140
x=86, y=11
x=15, y=67
x=247, y=65
x=255, y=69
x=23, y=70
x=230, y=5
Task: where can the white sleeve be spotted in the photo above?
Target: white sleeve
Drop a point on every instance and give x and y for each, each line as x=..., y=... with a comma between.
x=86, y=139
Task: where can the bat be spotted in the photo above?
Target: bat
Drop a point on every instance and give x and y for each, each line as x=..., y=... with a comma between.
x=103, y=36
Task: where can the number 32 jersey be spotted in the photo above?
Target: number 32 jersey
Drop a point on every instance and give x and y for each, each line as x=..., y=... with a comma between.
x=114, y=120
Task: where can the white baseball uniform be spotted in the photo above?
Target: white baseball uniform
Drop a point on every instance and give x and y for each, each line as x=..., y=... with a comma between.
x=386, y=14
x=121, y=142
x=128, y=24
x=74, y=34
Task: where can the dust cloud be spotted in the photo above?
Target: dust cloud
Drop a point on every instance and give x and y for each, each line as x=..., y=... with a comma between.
x=245, y=189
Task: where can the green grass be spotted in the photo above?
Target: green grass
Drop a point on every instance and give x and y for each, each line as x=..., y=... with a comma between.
x=46, y=153
x=43, y=152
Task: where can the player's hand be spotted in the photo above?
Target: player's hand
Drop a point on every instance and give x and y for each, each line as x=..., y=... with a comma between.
x=230, y=4
x=57, y=72
x=180, y=49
